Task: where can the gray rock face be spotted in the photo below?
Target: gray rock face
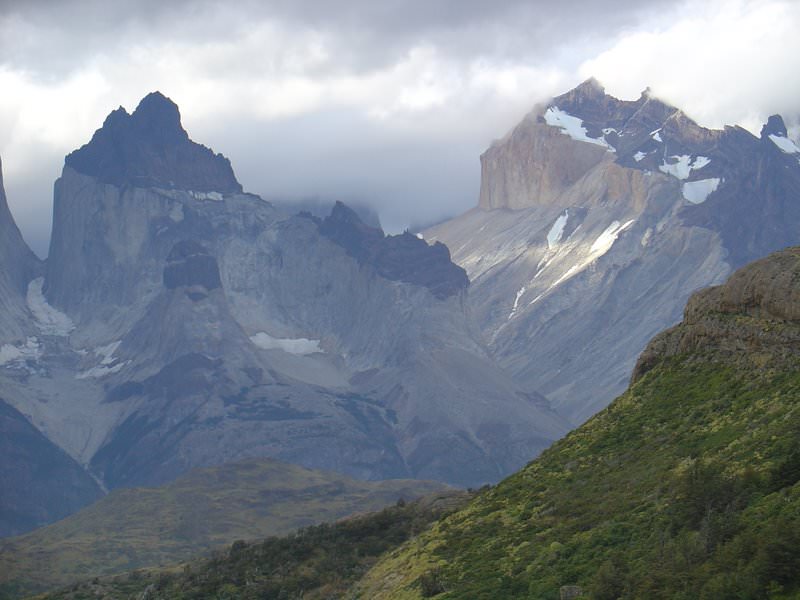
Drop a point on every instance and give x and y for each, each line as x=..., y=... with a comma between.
x=197, y=327
x=597, y=219
x=18, y=266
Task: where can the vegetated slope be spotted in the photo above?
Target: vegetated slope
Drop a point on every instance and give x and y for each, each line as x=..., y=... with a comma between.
x=207, y=508
x=686, y=486
x=317, y=562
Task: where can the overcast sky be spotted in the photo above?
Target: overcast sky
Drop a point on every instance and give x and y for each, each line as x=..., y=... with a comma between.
x=384, y=102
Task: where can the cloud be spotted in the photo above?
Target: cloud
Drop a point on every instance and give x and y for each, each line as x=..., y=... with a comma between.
x=721, y=62
x=389, y=103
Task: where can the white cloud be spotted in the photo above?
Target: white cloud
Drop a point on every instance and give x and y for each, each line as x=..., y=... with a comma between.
x=722, y=62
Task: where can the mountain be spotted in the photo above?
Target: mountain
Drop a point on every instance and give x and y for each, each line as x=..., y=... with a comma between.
x=183, y=323
x=597, y=219
x=686, y=486
x=201, y=511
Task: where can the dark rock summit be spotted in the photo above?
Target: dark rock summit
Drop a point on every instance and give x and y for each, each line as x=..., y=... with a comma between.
x=150, y=148
x=402, y=257
x=774, y=126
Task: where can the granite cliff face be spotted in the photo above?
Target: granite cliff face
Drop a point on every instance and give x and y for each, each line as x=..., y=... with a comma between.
x=18, y=266
x=597, y=219
x=191, y=324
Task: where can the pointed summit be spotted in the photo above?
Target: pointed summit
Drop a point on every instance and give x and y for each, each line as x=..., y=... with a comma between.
x=587, y=93
x=590, y=87
x=150, y=148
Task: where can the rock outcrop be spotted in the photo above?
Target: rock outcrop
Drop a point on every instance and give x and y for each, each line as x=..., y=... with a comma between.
x=753, y=317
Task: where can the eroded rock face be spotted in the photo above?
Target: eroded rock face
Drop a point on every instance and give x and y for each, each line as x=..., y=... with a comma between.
x=597, y=219
x=189, y=264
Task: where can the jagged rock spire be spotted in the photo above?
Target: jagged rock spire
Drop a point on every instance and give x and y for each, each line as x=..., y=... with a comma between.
x=150, y=148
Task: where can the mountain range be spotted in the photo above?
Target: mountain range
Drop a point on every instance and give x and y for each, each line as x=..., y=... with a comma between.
x=181, y=322
x=686, y=487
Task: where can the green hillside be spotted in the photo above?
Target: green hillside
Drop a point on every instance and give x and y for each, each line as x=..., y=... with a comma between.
x=318, y=562
x=206, y=509
x=686, y=487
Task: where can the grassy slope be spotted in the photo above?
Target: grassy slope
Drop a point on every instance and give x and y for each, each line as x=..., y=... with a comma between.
x=685, y=487
x=317, y=562
x=208, y=508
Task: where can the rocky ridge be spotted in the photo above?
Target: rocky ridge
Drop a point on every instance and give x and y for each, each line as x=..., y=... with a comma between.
x=598, y=218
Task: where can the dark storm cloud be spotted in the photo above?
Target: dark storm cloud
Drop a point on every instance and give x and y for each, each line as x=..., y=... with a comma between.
x=384, y=102
x=365, y=33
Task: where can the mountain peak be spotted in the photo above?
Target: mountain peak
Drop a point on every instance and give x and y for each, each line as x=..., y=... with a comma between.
x=774, y=126
x=157, y=116
x=590, y=86
x=150, y=148
x=396, y=257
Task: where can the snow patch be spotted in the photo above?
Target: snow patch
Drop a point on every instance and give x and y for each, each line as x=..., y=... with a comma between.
x=648, y=235
x=101, y=371
x=519, y=295
x=656, y=135
x=107, y=352
x=600, y=246
x=49, y=320
x=639, y=156
x=420, y=236
x=684, y=165
x=696, y=192
x=557, y=230
x=700, y=162
x=606, y=239
x=784, y=143
x=214, y=196
x=572, y=126
x=108, y=364
x=30, y=350
x=299, y=346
